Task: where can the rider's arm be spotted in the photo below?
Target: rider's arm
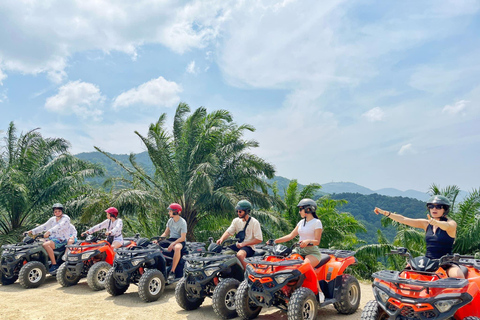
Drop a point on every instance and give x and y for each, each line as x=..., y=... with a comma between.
x=318, y=236
x=166, y=233
x=233, y=229
x=257, y=235
x=288, y=237
x=183, y=237
x=101, y=225
x=416, y=223
x=450, y=226
x=225, y=235
x=44, y=227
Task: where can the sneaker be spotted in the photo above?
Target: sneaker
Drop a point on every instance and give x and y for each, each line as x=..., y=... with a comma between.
x=321, y=297
x=53, y=268
x=171, y=276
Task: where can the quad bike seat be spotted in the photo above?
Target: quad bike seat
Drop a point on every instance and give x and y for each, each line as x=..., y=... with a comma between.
x=259, y=252
x=325, y=258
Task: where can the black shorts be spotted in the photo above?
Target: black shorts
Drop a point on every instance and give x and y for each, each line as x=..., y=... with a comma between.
x=165, y=245
x=250, y=252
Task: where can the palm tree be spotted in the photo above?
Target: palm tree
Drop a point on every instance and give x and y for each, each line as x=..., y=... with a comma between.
x=203, y=164
x=34, y=173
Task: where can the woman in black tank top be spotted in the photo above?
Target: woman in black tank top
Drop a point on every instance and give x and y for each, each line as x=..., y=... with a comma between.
x=440, y=230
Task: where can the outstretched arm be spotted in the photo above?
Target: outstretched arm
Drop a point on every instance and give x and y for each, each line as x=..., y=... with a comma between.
x=416, y=223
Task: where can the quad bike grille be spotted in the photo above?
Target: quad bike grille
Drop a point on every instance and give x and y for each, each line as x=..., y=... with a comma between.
x=407, y=313
x=257, y=287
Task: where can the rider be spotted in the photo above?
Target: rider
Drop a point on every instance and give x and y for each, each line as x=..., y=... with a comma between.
x=57, y=231
x=244, y=226
x=72, y=237
x=176, y=230
x=310, y=230
x=113, y=225
x=440, y=230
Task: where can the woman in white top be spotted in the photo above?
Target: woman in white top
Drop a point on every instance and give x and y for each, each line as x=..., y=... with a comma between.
x=113, y=225
x=310, y=231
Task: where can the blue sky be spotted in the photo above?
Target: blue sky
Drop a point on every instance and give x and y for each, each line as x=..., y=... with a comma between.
x=379, y=93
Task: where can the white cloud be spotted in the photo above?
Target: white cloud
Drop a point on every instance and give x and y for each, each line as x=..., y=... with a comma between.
x=80, y=98
x=191, y=67
x=458, y=107
x=3, y=76
x=40, y=37
x=156, y=92
x=374, y=115
x=406, y=149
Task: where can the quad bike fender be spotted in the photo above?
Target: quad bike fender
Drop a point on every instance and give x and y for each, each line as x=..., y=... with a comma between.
x=334, y=268
x=470, y=309
x=310, y=280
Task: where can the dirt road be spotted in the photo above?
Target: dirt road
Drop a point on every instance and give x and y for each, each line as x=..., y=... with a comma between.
x=52, y=301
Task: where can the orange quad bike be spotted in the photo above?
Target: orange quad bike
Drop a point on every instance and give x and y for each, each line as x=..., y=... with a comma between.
x=91, y=258
x=423, y=290
x=286, y=281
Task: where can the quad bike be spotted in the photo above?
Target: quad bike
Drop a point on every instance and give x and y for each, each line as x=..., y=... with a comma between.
x=27, y=261
x=423, y=290
x=286, y=281
x=91, y=258
x=146, y=266
x=215, y=274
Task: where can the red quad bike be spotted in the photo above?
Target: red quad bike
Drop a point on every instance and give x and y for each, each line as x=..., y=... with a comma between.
x=286, y=281
x=91, y=258
x=424, y=291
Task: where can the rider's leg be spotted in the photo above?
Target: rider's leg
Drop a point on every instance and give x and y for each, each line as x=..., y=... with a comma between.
x=312, y=260
x=455, y=272
x=241, y=255
x=116, y=244
x=176, y=255
x=49, y=246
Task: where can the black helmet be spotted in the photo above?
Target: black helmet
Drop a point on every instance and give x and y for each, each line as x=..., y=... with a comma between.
x=438, y=199
x=57, y=206
x=309, y=205
x=244, y=205
x=143, y=242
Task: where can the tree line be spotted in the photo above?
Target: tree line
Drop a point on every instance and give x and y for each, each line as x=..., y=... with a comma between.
x=205, y=164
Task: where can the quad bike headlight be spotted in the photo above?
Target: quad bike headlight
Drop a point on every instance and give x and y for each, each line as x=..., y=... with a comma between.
x=137, y=261
x=210, y=271
x=87, y=255
x=382, y=295
x=445, y=305
x=281, y=278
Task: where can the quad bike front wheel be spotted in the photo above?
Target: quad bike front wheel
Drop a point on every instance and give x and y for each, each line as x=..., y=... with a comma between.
x=112, y=286
x=32, y=274
x=184, y=300
x=246, y=308
x=151, y=285
x=97, y=275
x=223, y=299
x=6, y=280
x=65, y=277
x=303, y=305
x=349, y=295
x=373, y=311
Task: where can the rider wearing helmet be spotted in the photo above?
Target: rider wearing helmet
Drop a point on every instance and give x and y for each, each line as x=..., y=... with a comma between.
x=57, y=230
x=247, y=229
x=176, y=231
x=113, y=226
x=440, y=230
x=309, y=229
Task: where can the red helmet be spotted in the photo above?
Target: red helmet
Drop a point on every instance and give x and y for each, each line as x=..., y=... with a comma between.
x=113, y=211
x=175, y=207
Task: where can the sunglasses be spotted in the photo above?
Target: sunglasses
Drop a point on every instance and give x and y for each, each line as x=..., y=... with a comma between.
x=436, y=206
x=238, y=211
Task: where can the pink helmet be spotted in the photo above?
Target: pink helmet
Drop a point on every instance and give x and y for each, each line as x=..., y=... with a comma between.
x=113, y=211
x=175, y=207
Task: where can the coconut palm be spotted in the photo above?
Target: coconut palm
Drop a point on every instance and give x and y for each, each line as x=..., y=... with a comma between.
x=204, y=164
x=35, y=172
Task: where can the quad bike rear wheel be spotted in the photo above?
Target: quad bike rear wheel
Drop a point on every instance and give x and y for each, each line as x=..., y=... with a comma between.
x=6, y=280
x=245, y=307
x=112, y=286
x=151, y=285
x=349, y=295
x=373, y=311
x=32, y=274
x=184, y=300
x=97, y=275
x=223, y=299
x=65, y=277
x=303, y=305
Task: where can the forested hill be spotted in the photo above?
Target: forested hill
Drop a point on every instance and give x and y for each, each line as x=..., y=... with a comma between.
x=361, y=207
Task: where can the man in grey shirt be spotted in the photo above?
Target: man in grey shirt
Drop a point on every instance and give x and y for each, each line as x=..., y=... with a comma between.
x=176, y=231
